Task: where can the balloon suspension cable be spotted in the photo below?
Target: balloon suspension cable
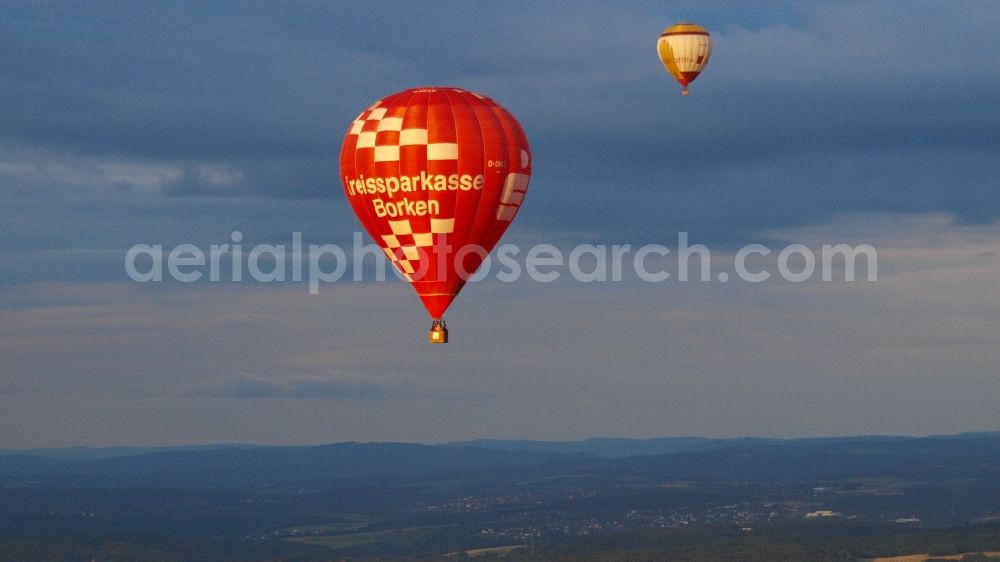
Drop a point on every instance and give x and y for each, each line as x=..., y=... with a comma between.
x=438, y=332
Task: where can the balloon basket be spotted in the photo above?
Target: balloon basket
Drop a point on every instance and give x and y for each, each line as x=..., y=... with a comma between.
x=438, y=332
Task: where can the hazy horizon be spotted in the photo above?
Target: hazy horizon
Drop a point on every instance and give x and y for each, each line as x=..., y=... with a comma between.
x=494, y=439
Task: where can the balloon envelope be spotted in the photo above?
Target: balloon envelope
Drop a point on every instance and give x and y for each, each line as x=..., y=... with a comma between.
x=435, y=175
x=684, y=50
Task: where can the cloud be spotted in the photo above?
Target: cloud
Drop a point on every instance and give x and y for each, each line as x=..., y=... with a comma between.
x=171, y=123
x=172, y=364
x=343, y=385
x=267, y=93
x=348, y=386
x=168, y=123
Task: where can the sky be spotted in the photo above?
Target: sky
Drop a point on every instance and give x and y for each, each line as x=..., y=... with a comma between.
x=814, y=123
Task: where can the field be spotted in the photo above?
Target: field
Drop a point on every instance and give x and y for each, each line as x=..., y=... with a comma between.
x=391, y=538
x=925, y=556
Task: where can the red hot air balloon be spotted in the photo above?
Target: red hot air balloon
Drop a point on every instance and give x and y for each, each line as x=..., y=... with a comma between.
x=435, y=175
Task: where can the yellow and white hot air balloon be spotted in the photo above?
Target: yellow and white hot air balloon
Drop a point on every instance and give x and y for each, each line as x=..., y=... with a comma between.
x=684, y=50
